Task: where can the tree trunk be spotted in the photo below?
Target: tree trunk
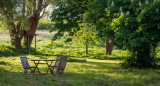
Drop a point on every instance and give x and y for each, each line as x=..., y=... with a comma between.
x=16, y=35
x=86, y=46
x=15, y=40
x=109, y=46
x=28, y=35
x=34, y=20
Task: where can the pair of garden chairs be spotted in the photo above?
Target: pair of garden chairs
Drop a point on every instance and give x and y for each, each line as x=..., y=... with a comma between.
x=57, y=69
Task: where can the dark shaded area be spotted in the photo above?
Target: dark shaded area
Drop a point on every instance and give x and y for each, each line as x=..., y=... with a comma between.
x=4, y=63
x=7, y=51
x=18, y=79
x=76, y=60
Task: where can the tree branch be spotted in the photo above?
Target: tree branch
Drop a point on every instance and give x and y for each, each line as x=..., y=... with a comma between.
x=42, y=13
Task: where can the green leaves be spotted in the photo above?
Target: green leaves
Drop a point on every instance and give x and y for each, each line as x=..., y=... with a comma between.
x=159, y=26
x=130, y=30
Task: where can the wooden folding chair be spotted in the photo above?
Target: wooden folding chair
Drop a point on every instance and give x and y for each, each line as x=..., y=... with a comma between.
x=26, y=65
x=59, y=66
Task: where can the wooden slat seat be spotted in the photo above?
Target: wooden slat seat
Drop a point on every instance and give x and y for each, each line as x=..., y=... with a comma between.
x=26, y=65
x=59, y=66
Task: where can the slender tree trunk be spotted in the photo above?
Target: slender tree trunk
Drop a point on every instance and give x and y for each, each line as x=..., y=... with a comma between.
x=86, y=46
x=87, y=38
x=24, y=8
x=109, y=46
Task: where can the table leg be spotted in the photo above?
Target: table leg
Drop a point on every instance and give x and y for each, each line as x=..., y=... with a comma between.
x=49, y=65
x=37, y=66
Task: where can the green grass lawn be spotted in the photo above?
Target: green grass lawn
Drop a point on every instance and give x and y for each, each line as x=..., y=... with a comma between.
x=95, y=69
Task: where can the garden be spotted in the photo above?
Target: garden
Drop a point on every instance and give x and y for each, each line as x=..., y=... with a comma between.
x=106, y=42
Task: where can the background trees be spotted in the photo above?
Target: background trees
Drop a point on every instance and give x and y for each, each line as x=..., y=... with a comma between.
x=131, y=24
x=69, y=14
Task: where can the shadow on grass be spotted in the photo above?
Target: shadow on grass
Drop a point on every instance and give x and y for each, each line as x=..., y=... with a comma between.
x=115, y=75
x=9, y=78
x=4, y=63
x=76, y=60
x=101, y=57
x=7, y=51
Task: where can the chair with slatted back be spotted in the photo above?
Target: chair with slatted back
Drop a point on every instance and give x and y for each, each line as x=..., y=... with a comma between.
x=26, y=65
x=59, y=66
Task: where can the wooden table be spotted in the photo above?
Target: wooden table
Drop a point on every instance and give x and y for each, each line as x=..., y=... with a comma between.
x=43, y=61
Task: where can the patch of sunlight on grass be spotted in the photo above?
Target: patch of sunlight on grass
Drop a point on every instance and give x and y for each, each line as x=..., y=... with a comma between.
x=103, y=61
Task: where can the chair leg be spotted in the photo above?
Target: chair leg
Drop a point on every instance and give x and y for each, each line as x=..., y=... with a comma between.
x=31, y=71
x=54, y=72
x=60, y=71
x=34, y=70
x=25, y=71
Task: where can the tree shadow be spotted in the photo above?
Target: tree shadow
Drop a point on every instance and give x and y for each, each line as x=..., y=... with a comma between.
x=9, y=78
x=7, y=51
x=76, y=60
x=114, y=73
x=4, y=63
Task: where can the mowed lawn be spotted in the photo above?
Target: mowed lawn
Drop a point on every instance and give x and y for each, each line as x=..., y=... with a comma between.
x=95, y=69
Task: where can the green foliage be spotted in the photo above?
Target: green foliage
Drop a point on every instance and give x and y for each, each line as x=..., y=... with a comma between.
x=66, y=15
x=69, y=14
x=99, y=15
x=44, y=24
x=87, y=32
x=138, y=32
